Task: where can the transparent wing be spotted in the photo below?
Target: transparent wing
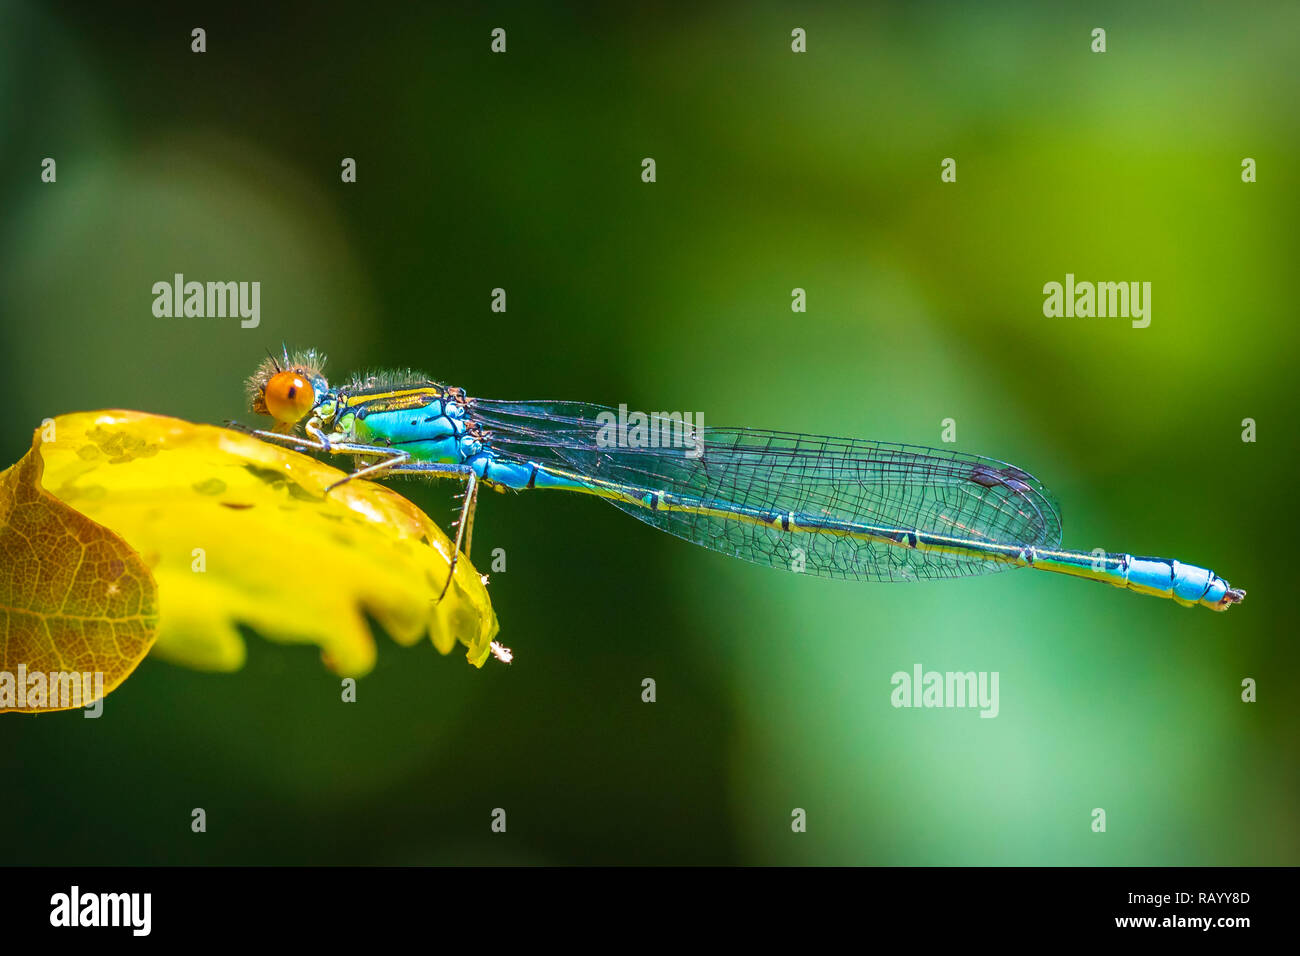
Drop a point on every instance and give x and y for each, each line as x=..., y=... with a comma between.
x=877, y=483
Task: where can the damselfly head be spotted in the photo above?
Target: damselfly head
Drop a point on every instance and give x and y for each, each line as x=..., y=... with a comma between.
x=287, y=388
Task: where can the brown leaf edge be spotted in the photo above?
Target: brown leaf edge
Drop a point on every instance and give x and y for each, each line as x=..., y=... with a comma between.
x=75, y=598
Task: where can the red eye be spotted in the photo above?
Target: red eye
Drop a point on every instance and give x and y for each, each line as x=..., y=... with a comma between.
x=289, y=396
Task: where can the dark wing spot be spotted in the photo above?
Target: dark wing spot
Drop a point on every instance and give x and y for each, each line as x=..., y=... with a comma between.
x=986, y=476
x=1008, y=477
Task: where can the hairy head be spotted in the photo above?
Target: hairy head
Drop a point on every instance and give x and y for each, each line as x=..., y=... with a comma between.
x=287, y=387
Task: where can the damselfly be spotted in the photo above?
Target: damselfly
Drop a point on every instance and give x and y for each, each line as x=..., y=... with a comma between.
x=831, y=507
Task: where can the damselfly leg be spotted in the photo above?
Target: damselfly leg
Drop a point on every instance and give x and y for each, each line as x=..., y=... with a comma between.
x=390, y=458
x=464, y=528
x=464, y=523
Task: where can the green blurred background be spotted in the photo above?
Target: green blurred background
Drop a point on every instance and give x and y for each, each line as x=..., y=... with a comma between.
x=775, y=171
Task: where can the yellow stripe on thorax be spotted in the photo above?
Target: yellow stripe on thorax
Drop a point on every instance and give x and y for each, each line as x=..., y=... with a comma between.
x=396, y=400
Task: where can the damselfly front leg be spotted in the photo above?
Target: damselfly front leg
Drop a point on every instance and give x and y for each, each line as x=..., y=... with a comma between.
x=292, y=439
x=390, y=458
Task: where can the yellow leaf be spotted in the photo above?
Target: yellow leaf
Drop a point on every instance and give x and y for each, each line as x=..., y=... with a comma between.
x=240, y=531
x=74, y=599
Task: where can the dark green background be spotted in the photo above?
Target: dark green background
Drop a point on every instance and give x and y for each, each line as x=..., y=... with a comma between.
x=775, y=171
